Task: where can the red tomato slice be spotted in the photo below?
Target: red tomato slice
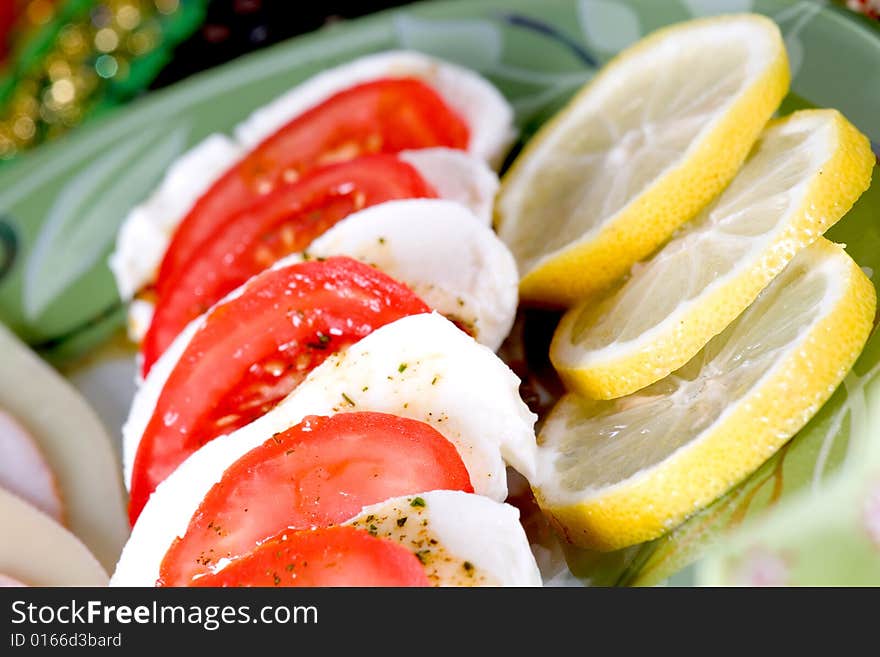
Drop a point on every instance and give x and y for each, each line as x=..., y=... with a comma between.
x=319, y=473
x=331, y=556
x=256, y=348
x=381, y=116
x=284, y=222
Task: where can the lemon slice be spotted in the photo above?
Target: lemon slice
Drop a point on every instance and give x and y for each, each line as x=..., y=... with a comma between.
x=640, y=150
x=615, y=473
x=804, y=174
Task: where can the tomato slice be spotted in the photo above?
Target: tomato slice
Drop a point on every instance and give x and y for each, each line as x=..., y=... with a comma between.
x=256, y=348
x=319, y=473
x=384, y=115
x=283, y=222
x=330, y=556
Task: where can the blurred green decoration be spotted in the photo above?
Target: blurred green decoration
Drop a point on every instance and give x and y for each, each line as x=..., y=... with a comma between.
x=74, y=59
x=828, y=534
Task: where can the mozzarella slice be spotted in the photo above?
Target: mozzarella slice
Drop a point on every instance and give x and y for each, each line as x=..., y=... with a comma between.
x=73, y=442
x=449, y=381
x=460, y=387
x=24, y=470
x=425, y=368
x=478, y=271
x=147, y=395
x=149, y=227
x=461, y=539
x=140, y=315
x=488, y=115
x=37, y=551
x=147, y=230
x=456, y=176
x=455, y=264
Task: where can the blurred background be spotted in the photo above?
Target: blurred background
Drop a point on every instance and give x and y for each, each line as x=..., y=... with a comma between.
x=66, y=61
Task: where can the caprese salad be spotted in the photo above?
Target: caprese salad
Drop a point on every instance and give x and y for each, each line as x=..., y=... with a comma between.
x=390, y=126
x=318, y=303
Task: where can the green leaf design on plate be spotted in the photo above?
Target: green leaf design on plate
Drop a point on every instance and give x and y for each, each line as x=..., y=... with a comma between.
x=474, y=43
x=479, y=44
x=84, y=218
x=714, y=7
x=829, y=533
x=816, y=456
x=792, y=20
x=8, y=247
x=608, y=26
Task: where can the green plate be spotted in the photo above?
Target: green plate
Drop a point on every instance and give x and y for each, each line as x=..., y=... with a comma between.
x=60, y=207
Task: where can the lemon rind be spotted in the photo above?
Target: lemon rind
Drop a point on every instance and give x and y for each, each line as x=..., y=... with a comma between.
x=829, y=196
x=650, y=219
x=642, y=507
